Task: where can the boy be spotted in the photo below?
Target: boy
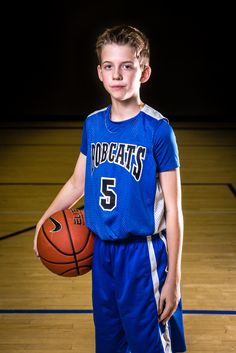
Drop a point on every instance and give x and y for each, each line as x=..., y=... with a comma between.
x=128, y=172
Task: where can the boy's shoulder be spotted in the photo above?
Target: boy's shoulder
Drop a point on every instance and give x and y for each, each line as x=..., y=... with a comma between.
x=153, y=114
x=96, y=113
x=157, y=122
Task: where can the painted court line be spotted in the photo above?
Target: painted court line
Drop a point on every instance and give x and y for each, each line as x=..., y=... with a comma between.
x=90, y=311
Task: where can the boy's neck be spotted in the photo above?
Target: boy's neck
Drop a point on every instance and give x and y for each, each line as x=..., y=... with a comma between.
x=121, y=111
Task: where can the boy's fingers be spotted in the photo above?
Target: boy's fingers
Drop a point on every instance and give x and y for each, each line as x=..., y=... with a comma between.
x=160, y=306
x=166, y=315
x=36, y=251
x=36, y=254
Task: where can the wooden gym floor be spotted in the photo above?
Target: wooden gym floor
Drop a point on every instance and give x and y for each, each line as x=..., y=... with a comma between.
x=42, y=312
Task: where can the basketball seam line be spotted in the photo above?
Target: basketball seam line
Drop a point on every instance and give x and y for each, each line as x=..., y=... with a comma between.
x=71, y=241
x=66, y=263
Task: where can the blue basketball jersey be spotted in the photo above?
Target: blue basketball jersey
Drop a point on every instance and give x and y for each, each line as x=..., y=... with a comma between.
x=123, y=197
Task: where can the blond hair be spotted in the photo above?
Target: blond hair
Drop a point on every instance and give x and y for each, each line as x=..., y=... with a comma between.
x=125, y=35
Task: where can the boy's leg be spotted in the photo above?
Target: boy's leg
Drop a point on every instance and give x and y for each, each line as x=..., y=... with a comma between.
x=109, y=332
x=140, y=272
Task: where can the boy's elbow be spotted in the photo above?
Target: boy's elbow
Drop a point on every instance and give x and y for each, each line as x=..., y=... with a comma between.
x=77, y=184
x=175, y=213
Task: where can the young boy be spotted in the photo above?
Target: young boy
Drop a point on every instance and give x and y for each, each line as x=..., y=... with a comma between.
x=128, y=172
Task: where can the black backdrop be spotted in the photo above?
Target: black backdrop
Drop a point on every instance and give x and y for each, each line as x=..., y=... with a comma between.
x=50, y=62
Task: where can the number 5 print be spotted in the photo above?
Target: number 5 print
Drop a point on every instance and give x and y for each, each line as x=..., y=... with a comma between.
x=108, y=200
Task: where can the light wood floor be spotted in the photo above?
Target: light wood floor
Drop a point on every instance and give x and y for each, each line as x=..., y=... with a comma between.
x=36, y=159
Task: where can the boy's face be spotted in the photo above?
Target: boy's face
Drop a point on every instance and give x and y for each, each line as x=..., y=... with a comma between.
x=120, y=71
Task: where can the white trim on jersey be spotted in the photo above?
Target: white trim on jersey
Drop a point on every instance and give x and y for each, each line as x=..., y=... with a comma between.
x=165, y=337
x=146, y=109
x=159, y=205
x=97, y=111
x=159, y=210
x=153, y=113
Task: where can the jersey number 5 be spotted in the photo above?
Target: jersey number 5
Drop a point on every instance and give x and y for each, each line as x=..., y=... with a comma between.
x=108, y=200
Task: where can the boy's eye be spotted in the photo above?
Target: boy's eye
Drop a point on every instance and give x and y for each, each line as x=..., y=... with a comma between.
x=127, y=66
x=123, y=66
x=107, y=67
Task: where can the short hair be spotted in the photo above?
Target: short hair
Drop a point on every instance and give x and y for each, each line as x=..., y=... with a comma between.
x=125, y=35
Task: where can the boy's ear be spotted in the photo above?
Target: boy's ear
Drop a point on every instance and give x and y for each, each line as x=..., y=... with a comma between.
x=99, y=71
x=145, y=74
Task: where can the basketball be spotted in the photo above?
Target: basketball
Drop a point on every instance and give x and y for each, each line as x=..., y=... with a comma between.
x=65, y=244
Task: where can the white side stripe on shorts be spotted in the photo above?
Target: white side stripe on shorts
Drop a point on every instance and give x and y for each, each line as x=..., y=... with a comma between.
x=165, y=337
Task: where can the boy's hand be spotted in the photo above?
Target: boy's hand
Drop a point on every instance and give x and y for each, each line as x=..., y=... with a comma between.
x=169, y=300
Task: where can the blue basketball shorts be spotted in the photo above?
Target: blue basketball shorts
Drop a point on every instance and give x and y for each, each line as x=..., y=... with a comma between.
x=127, y=278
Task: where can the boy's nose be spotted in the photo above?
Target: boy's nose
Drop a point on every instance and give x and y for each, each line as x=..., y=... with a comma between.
x=117, y=75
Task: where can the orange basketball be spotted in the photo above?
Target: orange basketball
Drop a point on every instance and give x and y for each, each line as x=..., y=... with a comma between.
x=65, y=244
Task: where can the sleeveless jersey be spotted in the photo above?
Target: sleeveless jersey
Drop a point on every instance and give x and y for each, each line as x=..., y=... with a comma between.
x=123, y=197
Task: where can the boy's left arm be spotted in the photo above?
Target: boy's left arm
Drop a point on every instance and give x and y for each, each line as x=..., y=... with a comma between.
x=170, y=294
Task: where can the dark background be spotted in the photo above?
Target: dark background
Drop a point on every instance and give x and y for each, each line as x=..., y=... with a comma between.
x=50, y=61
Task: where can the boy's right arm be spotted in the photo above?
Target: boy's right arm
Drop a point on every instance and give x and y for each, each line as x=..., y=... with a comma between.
x=70, y=193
